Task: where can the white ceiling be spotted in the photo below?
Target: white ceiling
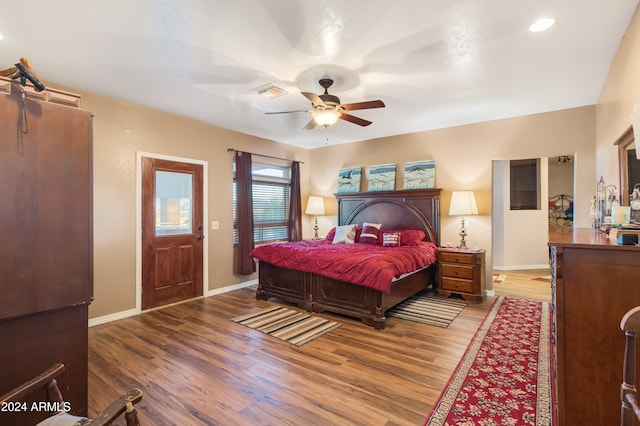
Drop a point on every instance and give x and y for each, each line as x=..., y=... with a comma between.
x=435, y=63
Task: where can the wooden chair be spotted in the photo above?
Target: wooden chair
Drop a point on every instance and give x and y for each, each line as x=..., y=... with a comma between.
x=630, y=324
x=47, y=379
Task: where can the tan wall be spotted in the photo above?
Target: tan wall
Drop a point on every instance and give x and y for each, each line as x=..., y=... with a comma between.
x=620, y=93
x=463, y=161
x=464, y=158
x=155, y=132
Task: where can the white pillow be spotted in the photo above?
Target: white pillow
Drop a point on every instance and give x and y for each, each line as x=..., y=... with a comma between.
x=345, y=234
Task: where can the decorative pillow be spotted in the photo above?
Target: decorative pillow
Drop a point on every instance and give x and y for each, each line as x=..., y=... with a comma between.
x=409, y=237
x=345, y=234
x=391, y=239
x=331, y=234
x=370, y=232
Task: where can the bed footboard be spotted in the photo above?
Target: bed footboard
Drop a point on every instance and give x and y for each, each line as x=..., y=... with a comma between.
x=285, y=284
x=316, y=293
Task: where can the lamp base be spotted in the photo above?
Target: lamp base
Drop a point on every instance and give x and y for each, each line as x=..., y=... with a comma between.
x=462, y=233
x=315, y=229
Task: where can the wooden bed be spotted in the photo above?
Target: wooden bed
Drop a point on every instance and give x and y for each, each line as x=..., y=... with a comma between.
x=411, y=209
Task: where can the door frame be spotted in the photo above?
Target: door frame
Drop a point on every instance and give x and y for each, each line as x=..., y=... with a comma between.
x=205, y=220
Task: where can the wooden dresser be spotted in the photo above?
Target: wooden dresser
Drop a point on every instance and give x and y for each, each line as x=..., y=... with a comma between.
x=46, y=246
x=594, y=284
x=461, y=272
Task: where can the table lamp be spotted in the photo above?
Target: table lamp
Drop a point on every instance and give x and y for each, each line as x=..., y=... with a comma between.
x=315, y=207
x=463, y=203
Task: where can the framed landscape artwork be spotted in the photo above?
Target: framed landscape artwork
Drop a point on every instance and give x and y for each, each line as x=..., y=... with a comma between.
x=420, y=174
x=382, y=178
x=349, y=180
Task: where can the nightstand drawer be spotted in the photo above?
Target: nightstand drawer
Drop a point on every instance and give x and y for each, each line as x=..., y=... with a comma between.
x=456, y=257
x=456, y=284
x=456, y=271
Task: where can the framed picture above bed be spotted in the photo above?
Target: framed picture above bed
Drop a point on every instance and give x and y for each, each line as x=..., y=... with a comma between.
x=349, y=180
x=420, y=174
x=382, y=178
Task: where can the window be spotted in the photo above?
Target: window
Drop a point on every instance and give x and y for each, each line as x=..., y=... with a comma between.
x=271, y=198
x=525, y=184
x=173, y=201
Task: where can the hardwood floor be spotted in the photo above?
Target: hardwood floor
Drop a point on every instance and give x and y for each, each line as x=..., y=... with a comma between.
x=525, y=284
x=196, y=366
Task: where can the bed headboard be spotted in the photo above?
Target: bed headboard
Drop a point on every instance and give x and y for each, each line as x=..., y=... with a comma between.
x=409, y=209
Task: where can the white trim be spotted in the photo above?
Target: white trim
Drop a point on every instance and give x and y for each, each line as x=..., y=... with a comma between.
x=490, y=293
x=133, y=312
x=205, y=218
x=112, y=317
x=226, y=289
x=521, y=267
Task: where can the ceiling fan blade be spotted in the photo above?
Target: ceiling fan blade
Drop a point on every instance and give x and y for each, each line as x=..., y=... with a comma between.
x=310, y=125
x=287, y=112
x=356, y=120
x=363, y=105
x=315, y=99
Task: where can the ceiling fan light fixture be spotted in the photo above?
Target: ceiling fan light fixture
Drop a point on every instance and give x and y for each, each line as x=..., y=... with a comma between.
x=325, y=117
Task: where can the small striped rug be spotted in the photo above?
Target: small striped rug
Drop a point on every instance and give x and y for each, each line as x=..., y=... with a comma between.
x=428, y=308
x=499, y=278
x=292, y=326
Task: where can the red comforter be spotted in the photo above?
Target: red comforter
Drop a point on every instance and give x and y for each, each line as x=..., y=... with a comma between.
x=370, y=265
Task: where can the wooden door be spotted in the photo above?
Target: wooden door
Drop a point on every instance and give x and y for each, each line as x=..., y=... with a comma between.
x=172, y=232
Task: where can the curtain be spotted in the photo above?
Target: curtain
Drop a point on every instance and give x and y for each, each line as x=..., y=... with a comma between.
x=243, y=263
x=295, y=204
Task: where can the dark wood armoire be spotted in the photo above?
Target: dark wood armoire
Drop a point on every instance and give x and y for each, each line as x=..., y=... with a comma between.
x=46, y=246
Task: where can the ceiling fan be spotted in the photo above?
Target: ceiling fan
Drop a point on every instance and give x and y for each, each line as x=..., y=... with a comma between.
x=327, y=108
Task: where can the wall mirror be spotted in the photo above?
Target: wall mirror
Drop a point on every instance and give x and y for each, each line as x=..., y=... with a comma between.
x=629, y=167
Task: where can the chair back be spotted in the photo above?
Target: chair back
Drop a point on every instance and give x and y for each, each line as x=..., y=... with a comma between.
x=630, y=411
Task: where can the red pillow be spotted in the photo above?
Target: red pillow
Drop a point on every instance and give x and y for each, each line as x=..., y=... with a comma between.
x=408, y=237
x=370, y=233
x=331, y=234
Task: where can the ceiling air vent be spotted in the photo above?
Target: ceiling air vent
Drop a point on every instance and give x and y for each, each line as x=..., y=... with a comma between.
x=270, y=91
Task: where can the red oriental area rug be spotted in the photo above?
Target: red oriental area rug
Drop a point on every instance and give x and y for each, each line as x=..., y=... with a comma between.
x=504, y=378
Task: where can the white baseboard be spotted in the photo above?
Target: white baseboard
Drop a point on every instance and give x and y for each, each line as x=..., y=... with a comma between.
x=521, y=267
x=490, y=293
x=131, y=312
x=233, y=287
x=112, y=317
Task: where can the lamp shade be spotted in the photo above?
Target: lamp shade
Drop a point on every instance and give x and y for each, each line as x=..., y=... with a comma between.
x=463, y=203
x=315, y=206
x=326, y=117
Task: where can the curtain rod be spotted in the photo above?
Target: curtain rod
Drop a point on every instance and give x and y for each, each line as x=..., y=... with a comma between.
x=262, y=155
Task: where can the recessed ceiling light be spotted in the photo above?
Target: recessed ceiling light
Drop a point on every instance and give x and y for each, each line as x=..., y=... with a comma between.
x=1, y=37
x=542, y=24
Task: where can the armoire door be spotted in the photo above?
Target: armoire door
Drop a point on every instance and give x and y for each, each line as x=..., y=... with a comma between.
x=46, y=220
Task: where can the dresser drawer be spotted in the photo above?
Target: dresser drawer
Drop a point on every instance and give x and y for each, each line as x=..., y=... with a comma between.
x=456, y=284
x=456, y=257
x=456, y=271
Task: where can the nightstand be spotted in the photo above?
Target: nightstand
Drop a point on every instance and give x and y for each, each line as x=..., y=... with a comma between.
x=461, y=271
